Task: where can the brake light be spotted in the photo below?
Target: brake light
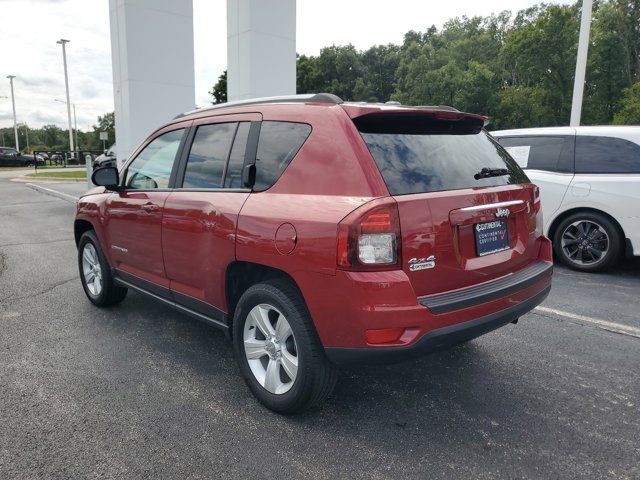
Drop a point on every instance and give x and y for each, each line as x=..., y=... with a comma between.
x=536, y=198
x=369, y=237
x=537, y=209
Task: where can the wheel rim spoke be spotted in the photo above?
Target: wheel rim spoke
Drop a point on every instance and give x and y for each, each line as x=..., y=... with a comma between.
x=272, y=376
x=289, y=364
x=261, y=317
x=283, y=329
x=255, y=348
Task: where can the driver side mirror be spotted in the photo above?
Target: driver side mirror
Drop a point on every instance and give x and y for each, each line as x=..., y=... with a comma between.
x=106, y=177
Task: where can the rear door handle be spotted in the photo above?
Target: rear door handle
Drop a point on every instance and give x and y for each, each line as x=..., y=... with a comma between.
x=150, y=207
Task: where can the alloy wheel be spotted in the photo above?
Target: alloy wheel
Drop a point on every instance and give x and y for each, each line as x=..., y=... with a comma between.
x=270, y=348
x=91, y=269
x=585, y=242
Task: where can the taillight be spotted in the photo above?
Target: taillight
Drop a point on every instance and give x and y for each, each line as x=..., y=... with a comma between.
x=369, y=237
x=537, y=209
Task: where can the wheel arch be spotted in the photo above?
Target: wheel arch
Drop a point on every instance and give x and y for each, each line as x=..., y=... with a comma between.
x=562, y=216
x=241, y=275
x=79, y=227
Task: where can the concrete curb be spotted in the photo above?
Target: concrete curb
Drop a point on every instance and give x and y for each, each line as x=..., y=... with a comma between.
x=54, y=193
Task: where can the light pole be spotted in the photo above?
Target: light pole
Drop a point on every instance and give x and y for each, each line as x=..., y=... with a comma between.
x=63, y=42
x=26, y=132
x=13, y=103
x=75, y=122
x=581, y=63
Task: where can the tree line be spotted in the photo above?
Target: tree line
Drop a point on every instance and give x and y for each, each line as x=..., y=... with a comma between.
x=517, y=69
x=52, y=137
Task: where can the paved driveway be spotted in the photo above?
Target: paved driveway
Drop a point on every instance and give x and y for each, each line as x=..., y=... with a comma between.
x=140, y=391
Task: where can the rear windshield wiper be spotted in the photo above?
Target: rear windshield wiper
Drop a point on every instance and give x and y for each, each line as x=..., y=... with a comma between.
x=491, y=172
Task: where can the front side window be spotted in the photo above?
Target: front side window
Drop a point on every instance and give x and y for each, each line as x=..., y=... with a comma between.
x=279, y=142
x=606, y=155
x=549, y=153
x=151, y=169
x=208, y=155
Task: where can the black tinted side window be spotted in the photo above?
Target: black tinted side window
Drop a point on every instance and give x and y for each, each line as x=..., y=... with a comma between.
x=606, y=155
x=278, y=144
x=208, y=155
x=233, y=177
x=552, y=153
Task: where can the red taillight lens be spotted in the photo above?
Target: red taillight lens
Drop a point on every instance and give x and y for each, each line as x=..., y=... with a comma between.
x=536, y=198
x=369, y=238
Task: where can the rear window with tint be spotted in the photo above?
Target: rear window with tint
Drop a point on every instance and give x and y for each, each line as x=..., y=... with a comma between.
x=414, y=159
x=606, y=155
x=550, y=153
x=278, y=144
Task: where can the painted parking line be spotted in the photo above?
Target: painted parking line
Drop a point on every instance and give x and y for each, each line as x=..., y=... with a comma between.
x=55, y=193
x=604, y=324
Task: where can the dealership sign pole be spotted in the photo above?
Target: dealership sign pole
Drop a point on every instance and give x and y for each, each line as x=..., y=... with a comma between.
x=581, y=63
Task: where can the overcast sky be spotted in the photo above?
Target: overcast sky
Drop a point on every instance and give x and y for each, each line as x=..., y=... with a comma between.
x=29, y=30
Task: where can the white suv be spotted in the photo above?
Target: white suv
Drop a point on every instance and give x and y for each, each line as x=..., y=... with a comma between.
x=589, y=179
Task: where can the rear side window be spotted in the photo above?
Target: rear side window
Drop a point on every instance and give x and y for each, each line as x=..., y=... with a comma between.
x=278, y=144
x=550, y=153
x=233, y=177
x=421, y=161
x=208, y=155
x=606, y=155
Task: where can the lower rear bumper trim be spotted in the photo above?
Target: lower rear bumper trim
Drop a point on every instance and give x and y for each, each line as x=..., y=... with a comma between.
x=435, y=340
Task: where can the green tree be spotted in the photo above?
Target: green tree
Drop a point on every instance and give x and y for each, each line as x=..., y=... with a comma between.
x=629, y=113
x=219, y=90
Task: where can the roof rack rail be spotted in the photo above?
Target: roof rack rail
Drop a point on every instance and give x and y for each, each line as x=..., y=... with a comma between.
x=307, y=97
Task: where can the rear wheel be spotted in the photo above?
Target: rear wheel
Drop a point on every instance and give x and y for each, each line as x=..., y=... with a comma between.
x=278, y=351
x=587, y=241
x=95, y=273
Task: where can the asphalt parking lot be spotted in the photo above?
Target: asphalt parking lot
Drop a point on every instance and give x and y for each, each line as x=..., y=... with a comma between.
x=140, y=391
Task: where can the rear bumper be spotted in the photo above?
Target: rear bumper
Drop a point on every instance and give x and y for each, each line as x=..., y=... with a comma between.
x=437, y=339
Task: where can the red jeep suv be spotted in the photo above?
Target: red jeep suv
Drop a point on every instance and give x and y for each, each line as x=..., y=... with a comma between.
x=317, y=232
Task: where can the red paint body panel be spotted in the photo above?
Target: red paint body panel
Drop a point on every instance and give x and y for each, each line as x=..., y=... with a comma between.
x=198, y=241
x=188, y=244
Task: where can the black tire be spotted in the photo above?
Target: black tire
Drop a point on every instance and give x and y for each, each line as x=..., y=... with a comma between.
x=316, y=376
x=110, y=293
x=614, y=242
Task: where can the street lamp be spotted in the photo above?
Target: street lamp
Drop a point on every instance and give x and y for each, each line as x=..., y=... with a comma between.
x=63, y=42
x=13, y=103
x=75, y=123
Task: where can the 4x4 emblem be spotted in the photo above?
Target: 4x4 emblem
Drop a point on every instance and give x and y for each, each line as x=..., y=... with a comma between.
x=416, y=264
x=502, y=212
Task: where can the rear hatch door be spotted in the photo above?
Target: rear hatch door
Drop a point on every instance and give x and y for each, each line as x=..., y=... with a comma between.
x=466, y=208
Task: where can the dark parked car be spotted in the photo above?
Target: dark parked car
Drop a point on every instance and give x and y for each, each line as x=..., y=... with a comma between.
x=10, y=157
x=107, y=159
x=317, y=232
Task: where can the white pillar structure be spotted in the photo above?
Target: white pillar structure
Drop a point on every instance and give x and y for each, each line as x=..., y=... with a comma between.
x=153, y=66
x=581, y=63
x=261, y=48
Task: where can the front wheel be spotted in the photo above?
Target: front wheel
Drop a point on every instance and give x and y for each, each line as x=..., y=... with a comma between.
x=95, y=273
x=587, y=241
x=278, y=351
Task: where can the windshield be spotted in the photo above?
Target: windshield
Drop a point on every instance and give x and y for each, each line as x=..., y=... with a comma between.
x=421, y=161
